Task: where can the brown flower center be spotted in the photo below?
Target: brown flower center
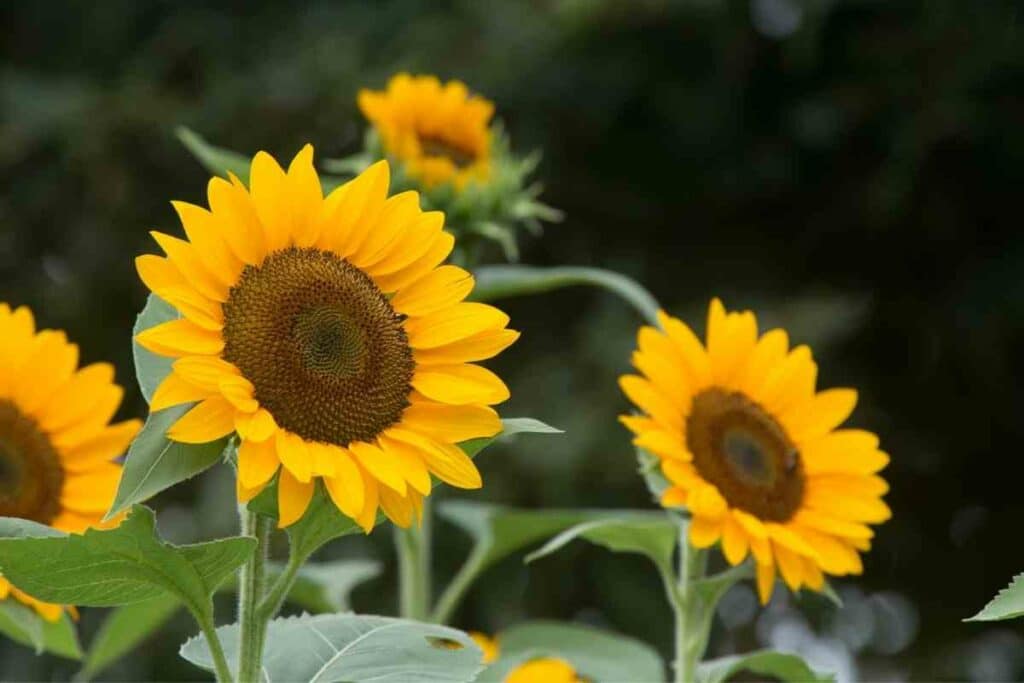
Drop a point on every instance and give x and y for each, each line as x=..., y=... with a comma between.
x=320, y=342
x=435, y=146
x=745, y=453
x=31, y=476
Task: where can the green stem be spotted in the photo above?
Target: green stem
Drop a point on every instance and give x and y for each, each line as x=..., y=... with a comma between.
x=275, y=597
x=413, y=545
x=692, y=616
x=456, y=590
x=252, y=630
x=220, y=662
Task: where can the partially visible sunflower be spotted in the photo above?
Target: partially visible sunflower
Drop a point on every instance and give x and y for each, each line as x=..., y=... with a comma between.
x=545, y=670
x=56, y=443
x=489, y=645
x=438, y=132
x=325, y=332
x=753, y=450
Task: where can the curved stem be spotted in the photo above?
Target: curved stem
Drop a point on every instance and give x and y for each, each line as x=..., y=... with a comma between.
x=220, y=662
x=413, y=545
x=692, y=616
x=456, y=590
x=252, y=627
x=275, y=597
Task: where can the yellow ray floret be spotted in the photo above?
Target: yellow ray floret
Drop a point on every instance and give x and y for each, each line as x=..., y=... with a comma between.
x=439, y=132
x=544, y=670
x=754, y=451
x=57, y=446
x=326, y=332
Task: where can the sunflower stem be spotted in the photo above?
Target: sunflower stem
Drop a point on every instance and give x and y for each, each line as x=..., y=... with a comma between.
x=692, y=617
x=220, y=663
x=414, y=564
x=452, y=596
x=252, y=631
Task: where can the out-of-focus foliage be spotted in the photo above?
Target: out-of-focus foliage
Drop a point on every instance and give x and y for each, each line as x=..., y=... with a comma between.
x=849, y=169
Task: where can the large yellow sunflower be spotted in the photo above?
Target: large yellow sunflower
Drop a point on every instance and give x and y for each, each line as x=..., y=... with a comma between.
x=325, y=332
x=56, y=443
x=754, y=451
x=438, y=132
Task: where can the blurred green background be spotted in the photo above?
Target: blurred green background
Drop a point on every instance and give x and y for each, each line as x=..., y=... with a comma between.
x=848, y=169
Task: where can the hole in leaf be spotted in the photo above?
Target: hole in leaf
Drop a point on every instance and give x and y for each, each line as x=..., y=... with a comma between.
x=444, y=643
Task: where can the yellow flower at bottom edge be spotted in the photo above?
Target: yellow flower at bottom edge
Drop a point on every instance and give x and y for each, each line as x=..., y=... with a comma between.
x=754, y=451
x=489, y=645
x=438, y=132
x=56, y=440
x=546, y=670
x=325, y=332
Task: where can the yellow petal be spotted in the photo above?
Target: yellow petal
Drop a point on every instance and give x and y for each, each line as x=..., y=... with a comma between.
x=451, y=424
x=852, y=451
x=790, y=566
x=384, y=467
x=769, y=352
x=343, y=228
x=257, y=462
x=294, y=455
x=440, y=247
x=460, y=384
x=186, y=259
x=413, y=469
x=240, y=225
x=851, y=508
x=50, y=363
x=663, y=443
x=293, y=498
x=306, y=195
x=74, y=399
x=346, y=487
x=257, y=426
x=203, y=231
x=812, y=419
x=789, y=383
x=415, y=245
x=692, y=351
x=109, y=444
x=476, y=348
x=707, y=502
x=205, y=372
x=207, y=421
x=642, y=393
x=734, y=541
x=104, y=404
x=368, y=516
x=397, y=508
x=268, y=187
x=181, y=337
x=391, y=224
x=673, y=497
x=437, y=290
x=239, y=392
x=453, y=324
x=765, y=582
x=92, y=491
x=704, y=532
x=447, y=462
x=174, y=391
x=827, y=524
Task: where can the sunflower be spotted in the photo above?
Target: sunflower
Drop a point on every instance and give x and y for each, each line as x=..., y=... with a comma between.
x=754, y=451
x=488, y=645
x=56, y=443
x=438, y=132
x=325, y=332
x=544, y=670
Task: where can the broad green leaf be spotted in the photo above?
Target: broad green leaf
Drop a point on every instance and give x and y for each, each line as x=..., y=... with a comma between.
x=510, y=427
x=155, y=463
x=502, y=281
x=16, y=527
x=598, y=656
x=123, y=629
x=216, y=160
x=1008, y=603
x=104, y=568
x=23, y=624
x=781, y=666
x=351, y=647
x=150, y=369
x=326, y=586
x=650, y=534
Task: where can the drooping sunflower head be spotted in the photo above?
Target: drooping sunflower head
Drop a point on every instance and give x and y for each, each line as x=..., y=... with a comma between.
x=439, y=132
x=327, y=334
x=754, y=451
x=56, y=441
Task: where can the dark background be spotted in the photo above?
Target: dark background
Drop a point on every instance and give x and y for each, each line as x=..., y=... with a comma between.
x=851, y=170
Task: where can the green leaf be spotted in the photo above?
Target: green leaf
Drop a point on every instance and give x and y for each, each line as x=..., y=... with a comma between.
x=499, y=531
x=125, y=628
x=502, y=281
x=150, y=369
x=351, y=647
x=1008, y=603
x=23, y=624
x=326, y=586
x=216, y=160
x=16, y=527
x=779, y=665
x=104, y=568
x=598, y=656
x=650, y=534
x=510, y=427
x=155, y=463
